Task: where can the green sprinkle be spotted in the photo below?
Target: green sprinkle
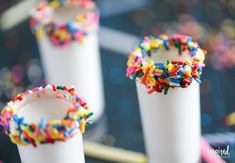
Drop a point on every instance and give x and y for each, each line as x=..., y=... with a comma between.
x=166, y=91
x=167, y=62
x=140, y=74
x=59, y=87
x=89, y=115
x=89, y=122
x=179, y=49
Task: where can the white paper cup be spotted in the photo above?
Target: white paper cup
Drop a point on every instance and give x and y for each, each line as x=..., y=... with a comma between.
x=171, y=123
x=65, y=142
x=76, y=63
x=167, y=70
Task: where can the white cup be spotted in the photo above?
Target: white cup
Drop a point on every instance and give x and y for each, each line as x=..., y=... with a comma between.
x=171, y=123
x=50, y=107
x=76, y=63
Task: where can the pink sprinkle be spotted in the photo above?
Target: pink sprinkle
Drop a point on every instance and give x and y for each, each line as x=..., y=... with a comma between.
x=37, y=132
x=177, y=36
x=78, y=35
x=7, y=113
x=26, y=92
x=35, y=89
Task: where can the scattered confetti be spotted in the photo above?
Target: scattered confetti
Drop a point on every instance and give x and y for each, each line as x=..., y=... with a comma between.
x=13, y=79
x=21, y=132
x=160, y=76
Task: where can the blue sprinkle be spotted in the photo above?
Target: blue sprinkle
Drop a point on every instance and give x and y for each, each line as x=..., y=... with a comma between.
x=76, y=98
x=143, y=51
x=78, y=106
x=71, y=27
x=165, y=73
x=173, y=80
x=18, y=120
x=197, y=80
x=7, y=127
x=66, y=134
x=189, y=40
x=58, y=127
x=71, y=131
x=166, y=44
x=26, y=140
x=199, y=70
x=180, y=72
x=42, y=124
x=160, y=65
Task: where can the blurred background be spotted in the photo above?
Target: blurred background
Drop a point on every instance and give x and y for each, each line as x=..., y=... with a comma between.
x=123, y=24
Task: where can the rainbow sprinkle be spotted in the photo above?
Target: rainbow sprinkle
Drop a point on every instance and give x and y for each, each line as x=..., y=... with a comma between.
x=160, y=76
x=23, y=133
x=61, y=34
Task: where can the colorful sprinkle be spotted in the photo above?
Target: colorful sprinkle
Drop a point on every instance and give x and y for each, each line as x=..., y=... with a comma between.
x=21, y=132
x=160, y=76
x=61, y=34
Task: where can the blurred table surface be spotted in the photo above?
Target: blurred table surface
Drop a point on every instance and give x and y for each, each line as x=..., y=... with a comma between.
x=18, y=46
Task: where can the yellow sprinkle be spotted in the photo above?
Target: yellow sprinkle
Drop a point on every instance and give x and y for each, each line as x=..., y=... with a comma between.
x=80, y=18
x=75, y=116
x=39, y=138
x=170, y=67
x=187, y=73
x=159, y=70
x=53, y=122
x=28, y=131
x=4, y=109
x=62, y=34
x=151, y=81
x=12, y=137
x=39, y=34
x=189, y=63
x=54, y=4
x=81, y=40
x=147, y=47
x=130, y=60
x=55, y=133
x=151, y=63
x=16, y=140
x=82, y=125
x=165, y=37
x=83, y=113
x=191, y=44
x=154, y=44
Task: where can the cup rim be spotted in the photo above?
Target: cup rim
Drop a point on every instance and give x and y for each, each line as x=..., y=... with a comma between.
x=161, y=76
x=61, y=34
x=24, y=133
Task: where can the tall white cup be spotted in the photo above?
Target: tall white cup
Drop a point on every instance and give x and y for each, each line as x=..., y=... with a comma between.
x=77, y=63
x=171, y=123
